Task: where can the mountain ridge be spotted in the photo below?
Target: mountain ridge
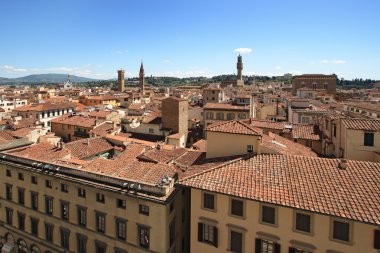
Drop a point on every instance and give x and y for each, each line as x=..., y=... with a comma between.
x=44, y=78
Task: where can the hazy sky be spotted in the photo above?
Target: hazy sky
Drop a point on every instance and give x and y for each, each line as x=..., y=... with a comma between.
x=94, y=38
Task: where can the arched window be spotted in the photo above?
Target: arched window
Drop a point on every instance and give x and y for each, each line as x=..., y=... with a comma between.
x=314, y=86
x=325, y=86
x=209, y=115
x=242, y=116
x=303, y=85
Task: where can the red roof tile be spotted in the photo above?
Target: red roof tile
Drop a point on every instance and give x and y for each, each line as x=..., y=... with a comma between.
x=308, y=183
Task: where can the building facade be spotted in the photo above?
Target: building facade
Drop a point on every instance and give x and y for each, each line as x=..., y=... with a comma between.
x=324, y=84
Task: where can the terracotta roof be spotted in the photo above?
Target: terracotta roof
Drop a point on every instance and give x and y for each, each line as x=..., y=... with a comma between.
x=234, y=127
x=43, y=151
x=45, y=106
x=200, y=145
x=362, y=124
x=75, y=121
x=6, y=135
x=24, y=122
x=103, y=129
x=307, y=183
x=88, y=147
x=22, y=132
x=99, y=114
x=225, y=107
x=281, y=145
x=306, y=132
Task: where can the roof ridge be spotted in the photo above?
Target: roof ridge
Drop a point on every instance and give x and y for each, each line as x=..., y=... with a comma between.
x=213, y=168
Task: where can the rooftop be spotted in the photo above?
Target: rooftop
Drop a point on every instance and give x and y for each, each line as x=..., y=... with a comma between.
x=306, y=183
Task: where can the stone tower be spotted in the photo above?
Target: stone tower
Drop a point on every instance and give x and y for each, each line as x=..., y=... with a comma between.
x=141, y=81
x=239, y=66
x=120, y=75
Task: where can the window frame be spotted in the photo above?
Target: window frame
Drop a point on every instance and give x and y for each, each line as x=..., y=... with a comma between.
x=121, y=221
x=203, y=201
x=233, y=229
x=144, y=209
x=231, y=200
x=365, y=141
x=275, y=224
x=350, y=232
x=311, y=232
x=98, y=217
x=141, y=227
x=79, y=216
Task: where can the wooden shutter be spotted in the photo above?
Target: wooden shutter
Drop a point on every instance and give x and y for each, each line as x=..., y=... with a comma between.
x=376, y=242
x=277, y=248
x=215, y=236
x=200, y=232
x=292, y=250
x=257, y=245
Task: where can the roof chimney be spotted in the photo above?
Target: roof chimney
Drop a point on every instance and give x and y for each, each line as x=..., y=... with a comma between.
x=342, y=164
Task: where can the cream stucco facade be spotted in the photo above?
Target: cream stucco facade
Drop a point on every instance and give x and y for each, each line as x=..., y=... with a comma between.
x=319, y=240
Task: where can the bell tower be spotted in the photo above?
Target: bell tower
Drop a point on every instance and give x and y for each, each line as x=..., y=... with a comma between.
x=239, y=66
x=141, y=78
x=120, y=75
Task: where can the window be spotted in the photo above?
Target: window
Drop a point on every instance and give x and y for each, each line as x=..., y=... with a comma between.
x=64, y=210
x=34, y=179
x=49, y=232
x=100, y=222
x=100, y=247
x=341, y=231
x=230, y=116
x=249, y=148
x=314, y=85
x=8, y=192
x=48, y=205
x=220, y=116
x=21, y=176
x=81, y=243
x=208, y=233
x=334, y=130
x=369, y=139
x=209, y=115
x=8, y=173
x=376, y=239
x=242, y=116
x=100, y=197
x=172, y=232
x=237, y=207
x=266, y=246
x=121, y=229
x=209, y=201
x=9, y=216
x=144, y=209
x=297, y=250
x=48, y=184
x=21, y=196
x=143, y=236
x=151, y=130
x=34, y=200
x=303, y=222
x=81, y=192
x=268, y=214
x=34, y=226
x=121, y=203
x=21, y=221
x=236, y=241
x=64, y=188
x=82, y=216
x=65, y=238
x=325, y=86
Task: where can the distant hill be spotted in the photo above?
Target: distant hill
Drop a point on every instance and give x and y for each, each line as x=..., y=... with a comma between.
x=44, y=78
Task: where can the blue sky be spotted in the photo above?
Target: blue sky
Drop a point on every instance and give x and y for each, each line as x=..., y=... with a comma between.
x=94, y=38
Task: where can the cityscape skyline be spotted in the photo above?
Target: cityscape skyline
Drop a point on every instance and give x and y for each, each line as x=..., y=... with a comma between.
x=180, y=39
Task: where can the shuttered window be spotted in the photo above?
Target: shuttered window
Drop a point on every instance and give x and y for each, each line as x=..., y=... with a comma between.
x=208, y=233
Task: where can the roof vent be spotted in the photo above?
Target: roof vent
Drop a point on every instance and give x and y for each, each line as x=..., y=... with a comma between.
x=342, y=164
